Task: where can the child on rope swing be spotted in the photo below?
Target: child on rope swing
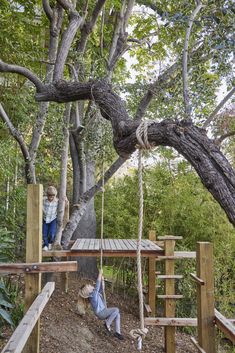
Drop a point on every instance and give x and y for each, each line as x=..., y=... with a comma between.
x=98, y=305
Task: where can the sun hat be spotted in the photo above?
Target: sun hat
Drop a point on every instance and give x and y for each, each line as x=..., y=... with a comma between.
x=84, y=292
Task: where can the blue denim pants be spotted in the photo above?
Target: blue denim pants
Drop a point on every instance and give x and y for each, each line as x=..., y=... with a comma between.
x=49, y=232
x=110, y=315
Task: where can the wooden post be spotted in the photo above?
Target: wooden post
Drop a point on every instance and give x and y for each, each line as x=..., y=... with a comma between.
x=169, y=290
x=65, y=276
x=205, y=297
x=152, y=278
x=33, y=254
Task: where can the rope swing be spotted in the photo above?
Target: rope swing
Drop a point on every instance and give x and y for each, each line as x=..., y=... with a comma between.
x=142, y=137
x=102, y=233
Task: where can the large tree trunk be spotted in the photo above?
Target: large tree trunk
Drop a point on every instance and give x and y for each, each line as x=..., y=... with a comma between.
x=87, y=227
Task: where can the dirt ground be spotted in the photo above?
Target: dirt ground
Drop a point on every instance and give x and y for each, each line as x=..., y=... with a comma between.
x=63, y=330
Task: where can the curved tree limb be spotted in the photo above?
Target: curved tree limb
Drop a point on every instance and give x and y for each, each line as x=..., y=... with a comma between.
x=4, y=67
x=47, y=9
x=29, y=169
x=185, y=60
x=217, y=109
x=220, y=139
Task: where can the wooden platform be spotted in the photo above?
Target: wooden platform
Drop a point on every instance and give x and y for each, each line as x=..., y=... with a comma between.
x=114, y=248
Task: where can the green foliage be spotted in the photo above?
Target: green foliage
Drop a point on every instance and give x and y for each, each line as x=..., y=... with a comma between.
x=175, y=202
x=11, y=302
x=5, y=305
x=7, y=246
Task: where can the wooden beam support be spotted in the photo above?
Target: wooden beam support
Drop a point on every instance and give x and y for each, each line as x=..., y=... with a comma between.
x=170, y=237
x=148, y=309
x=170, y=276
x=225, y=325
x=39, y=267
x=178, y=255
x=170, y=321
x=195, y=343
x=152, y=278
x=21, y=334
x=197, y=279
x=106, y=253
x=205, y=297
x=170, y=296
x=33, y=254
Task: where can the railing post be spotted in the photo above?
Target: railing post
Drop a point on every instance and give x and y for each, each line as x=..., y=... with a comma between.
x=33, y=254
x=65, y=276
x=205, y=297
x=152, y=278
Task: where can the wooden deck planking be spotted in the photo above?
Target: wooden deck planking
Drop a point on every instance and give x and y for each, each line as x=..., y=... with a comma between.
x=125, y=247
x=128, y=245
x=133, y=244
x=122, y=245
x=79, y=244
x=113, y=244
x=97, y=244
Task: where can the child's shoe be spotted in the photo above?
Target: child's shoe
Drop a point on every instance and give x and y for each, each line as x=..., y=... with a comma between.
x=119, y=336
x=45, y=248
x=107, y=328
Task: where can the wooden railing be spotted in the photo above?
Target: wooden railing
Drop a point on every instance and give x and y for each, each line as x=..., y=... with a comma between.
x=207, y=315
x=21, y=334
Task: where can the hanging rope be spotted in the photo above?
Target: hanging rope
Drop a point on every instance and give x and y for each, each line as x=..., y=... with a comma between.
x=102, y=232
x=142, y=137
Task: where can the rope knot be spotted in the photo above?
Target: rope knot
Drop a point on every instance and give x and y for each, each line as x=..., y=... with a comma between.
x=142, y=134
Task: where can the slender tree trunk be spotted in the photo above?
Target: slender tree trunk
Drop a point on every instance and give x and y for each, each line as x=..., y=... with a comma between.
x=63, y=175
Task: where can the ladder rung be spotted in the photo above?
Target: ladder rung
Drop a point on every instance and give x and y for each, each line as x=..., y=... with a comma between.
x=170, y=296
x=170, y=276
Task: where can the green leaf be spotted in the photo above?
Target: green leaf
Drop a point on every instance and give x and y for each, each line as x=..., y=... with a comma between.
x=6, y=316
x=5, y=303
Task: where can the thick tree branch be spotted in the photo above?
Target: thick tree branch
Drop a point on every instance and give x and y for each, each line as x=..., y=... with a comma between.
x=187, y=104
x=217, y=109
x=212, y=167
x=66, y=42
x=4, y=67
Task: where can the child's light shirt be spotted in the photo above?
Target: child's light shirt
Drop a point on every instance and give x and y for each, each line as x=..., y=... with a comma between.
x=49, y=209
x=96, y=298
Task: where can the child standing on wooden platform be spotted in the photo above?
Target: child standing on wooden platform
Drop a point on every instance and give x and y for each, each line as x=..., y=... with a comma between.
x=100, y=310
x=50, y=204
